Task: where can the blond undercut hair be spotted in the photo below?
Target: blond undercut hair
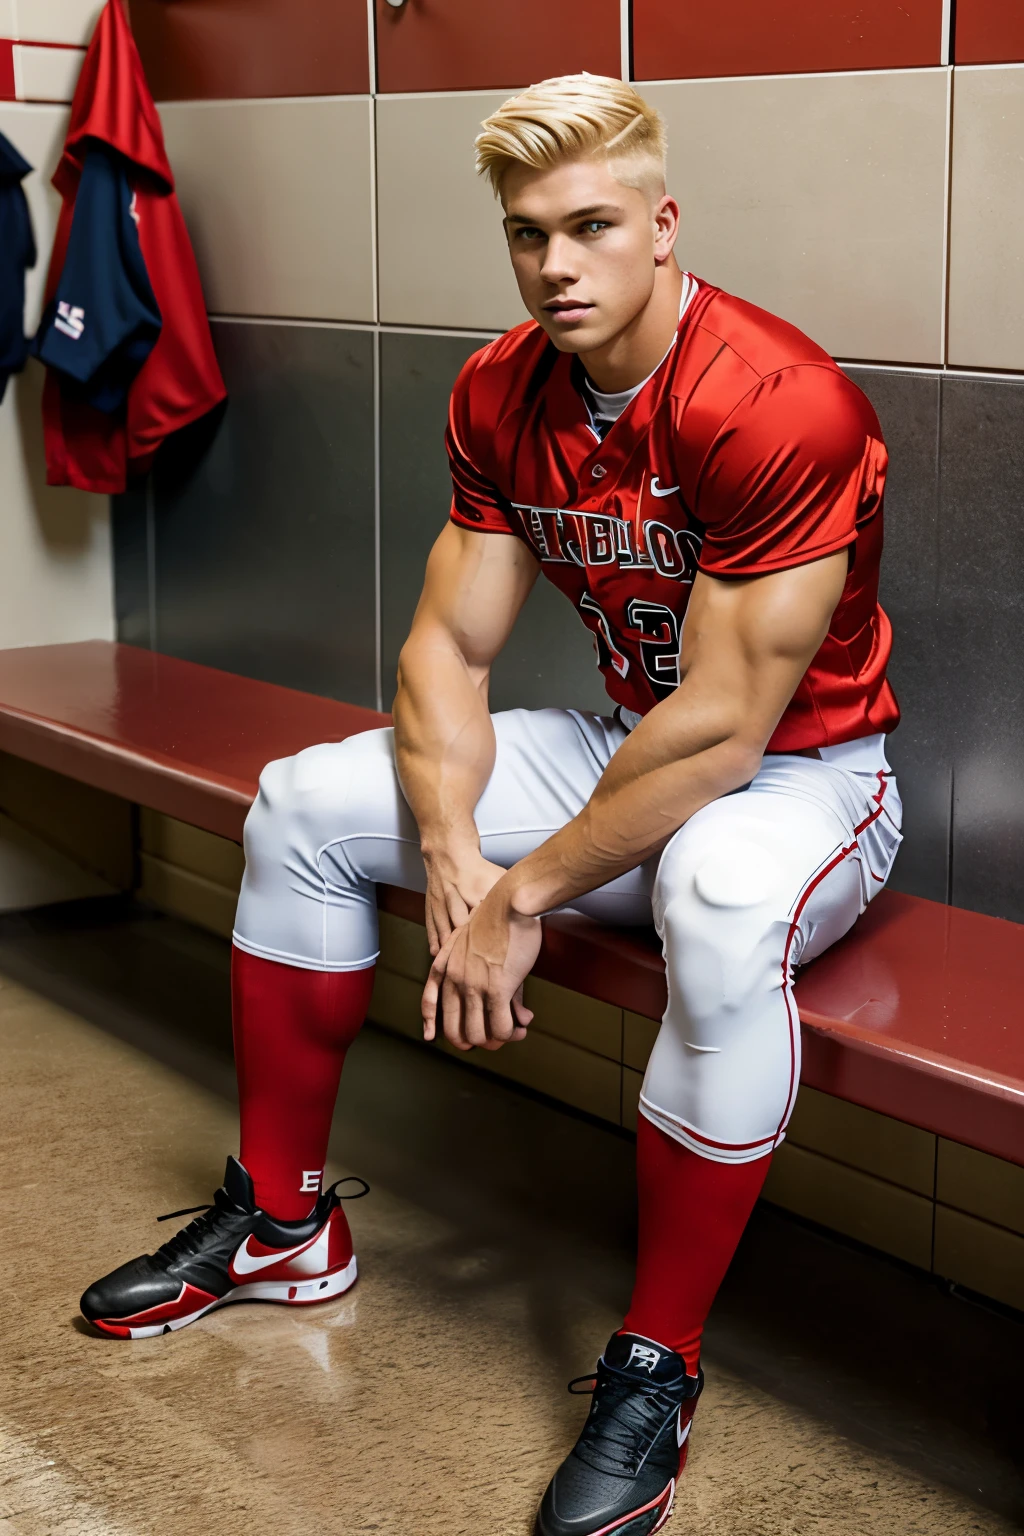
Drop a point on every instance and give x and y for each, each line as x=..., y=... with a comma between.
x=574, y=117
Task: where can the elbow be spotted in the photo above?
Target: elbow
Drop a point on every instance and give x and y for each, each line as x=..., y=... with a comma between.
x=741, y=759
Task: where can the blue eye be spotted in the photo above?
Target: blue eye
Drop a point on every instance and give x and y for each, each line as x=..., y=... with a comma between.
x=593, y=227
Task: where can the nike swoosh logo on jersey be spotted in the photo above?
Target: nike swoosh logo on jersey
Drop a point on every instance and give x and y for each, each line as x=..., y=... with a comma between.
x=658, y=490
x=246, y=1263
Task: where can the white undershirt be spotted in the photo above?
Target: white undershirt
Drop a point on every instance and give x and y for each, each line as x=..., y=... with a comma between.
x=608, y=408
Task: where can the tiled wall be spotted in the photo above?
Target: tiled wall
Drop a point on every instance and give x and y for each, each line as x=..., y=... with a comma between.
x=855, y=167
x=55, y=554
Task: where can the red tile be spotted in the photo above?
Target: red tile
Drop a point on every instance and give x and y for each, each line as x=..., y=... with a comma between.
x=989, y=32
x=6, y=70
x=462, y=45
x=678, y=39
x=195, y=50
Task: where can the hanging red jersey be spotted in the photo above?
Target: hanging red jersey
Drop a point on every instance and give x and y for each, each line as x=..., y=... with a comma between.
x=124, y=333
x=747, y=451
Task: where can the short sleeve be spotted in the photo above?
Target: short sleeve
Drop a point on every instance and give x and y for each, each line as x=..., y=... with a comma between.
x=103, y=321
x=789, y=473
x=477, y=502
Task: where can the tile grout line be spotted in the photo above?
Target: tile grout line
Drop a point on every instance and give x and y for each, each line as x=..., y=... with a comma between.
x=378, y=626
x=947, y=224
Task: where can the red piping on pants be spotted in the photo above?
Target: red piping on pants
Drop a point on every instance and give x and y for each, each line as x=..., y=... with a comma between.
x=802, y=901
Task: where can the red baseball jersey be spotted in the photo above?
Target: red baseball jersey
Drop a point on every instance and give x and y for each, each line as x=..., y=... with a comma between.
x=747, y=451
x=96, y=447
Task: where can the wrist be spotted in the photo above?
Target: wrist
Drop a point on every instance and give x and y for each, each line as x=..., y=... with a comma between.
x=451, y=850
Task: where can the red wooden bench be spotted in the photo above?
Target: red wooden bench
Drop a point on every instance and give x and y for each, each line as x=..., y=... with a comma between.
x=917, y=1014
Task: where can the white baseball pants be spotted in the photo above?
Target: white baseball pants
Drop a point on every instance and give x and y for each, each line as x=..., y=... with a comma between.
x=754, y=884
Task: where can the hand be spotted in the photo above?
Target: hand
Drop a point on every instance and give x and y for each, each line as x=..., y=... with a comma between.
x=455, y=885
x=476, y=980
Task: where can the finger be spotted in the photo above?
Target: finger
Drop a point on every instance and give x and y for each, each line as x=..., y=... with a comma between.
x=428, y=1008
x=474, y=1021
x=451, y=1007
x=439, y=924
x=520, y=1012
x=458, y=912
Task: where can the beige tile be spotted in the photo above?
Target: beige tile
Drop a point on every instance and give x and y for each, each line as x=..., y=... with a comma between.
x=34, y=874
x=396, y=1003
x=986, y=246
x=874, y=1143
x=573, y=1076
x=278, y=200
x=563, y=1071
x=582, y=1021
x=981, y=1185
x=403, y=947
x=55, y=21
x=632, y=1082
x=820, y=198
x=186, y=895
x=982, y=1257
x=190, y=848
x=46, y=74
x=638, y=1037
x=852, y=1202
x=8, y=19
x=442, y=253
x=91, y=827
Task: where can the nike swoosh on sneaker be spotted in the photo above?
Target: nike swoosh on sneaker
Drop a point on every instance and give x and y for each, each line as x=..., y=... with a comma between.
x=246, y=1263
x=659, y=490
x=681, y=1431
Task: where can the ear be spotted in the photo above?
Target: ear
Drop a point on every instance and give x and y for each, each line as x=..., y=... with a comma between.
x=666, y=227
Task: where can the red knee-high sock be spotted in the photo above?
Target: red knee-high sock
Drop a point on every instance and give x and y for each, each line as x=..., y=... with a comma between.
x=692, y=1216
x=292, y=1028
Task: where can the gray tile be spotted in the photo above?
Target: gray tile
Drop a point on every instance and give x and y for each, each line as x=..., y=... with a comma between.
x=129, y=533
x=549, y=660
x=982, y=589
x=264, y=519
x=920, y=750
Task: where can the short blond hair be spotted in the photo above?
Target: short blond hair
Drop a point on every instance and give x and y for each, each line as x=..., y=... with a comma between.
x=575, y=117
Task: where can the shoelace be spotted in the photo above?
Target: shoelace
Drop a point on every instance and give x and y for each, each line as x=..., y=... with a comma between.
x=190, y=1238
x=624, y=1421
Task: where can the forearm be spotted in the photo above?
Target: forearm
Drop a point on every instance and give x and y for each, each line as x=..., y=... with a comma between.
x=638, y=805
x=444, y=741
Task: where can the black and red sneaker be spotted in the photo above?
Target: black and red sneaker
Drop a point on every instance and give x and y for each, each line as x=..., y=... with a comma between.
x=620, y=1477
x=234, y=1252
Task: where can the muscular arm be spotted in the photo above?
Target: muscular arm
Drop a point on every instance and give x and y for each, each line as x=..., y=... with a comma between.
x=475, y=585
x=746, y=646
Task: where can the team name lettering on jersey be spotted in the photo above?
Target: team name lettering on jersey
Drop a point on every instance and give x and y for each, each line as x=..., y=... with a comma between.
x=562, y=536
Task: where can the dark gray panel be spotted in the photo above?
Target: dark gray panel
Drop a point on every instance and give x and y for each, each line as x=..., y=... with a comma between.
x=549, y=659
x=129, y=531
x=416, y=374
x=264, y=518
x=920, y=750
x=982, y=588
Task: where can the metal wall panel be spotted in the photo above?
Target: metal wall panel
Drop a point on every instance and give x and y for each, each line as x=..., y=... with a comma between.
x=264, y=534
x=982, y=590
x=549, y=659
x=129, y=531
x=920, y=750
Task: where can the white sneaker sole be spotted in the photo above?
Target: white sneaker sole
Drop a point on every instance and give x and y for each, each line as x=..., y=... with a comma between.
x=290, y=1293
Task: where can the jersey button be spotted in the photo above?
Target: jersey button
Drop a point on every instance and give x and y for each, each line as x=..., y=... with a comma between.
x=598, y=472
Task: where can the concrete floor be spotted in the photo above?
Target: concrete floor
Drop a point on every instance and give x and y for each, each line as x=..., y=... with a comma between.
x=847, y=1396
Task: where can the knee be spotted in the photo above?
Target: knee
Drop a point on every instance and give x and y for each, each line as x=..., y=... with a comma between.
x=719, y=923
x=306, y=798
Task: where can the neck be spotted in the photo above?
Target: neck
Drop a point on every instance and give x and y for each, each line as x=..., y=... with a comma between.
x=639, y=347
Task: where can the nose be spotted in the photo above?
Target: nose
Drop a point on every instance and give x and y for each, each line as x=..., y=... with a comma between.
x=560, y=264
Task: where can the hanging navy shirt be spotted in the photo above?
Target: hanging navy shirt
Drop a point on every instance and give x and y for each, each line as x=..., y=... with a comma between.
x=17, y=252
x=103, y=321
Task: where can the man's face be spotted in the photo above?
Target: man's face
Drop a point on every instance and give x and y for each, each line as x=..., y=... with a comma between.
x=584, y=249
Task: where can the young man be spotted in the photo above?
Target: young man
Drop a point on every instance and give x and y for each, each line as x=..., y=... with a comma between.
x=659, y=449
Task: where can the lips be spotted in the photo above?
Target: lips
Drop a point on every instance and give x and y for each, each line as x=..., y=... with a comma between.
x=567, y=312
